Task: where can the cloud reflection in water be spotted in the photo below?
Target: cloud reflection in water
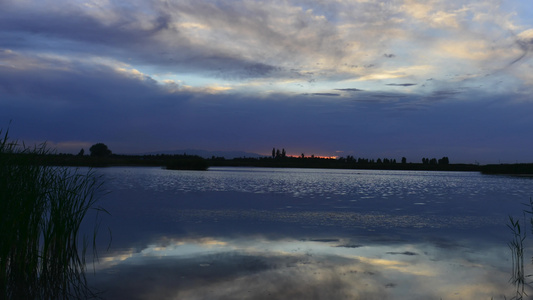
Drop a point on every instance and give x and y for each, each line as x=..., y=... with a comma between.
x=245, y=233
x=254, y=267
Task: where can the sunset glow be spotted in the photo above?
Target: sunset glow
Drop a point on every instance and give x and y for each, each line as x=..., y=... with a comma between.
x=314, y=156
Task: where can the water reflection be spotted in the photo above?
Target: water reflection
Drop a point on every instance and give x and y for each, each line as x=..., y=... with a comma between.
x=254, y=267
x=244, y=233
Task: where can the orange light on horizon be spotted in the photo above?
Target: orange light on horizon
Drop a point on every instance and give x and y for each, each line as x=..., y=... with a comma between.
x=307, y=156
x=314, y=156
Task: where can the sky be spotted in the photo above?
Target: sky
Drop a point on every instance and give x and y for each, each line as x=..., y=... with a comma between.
x=371, y=79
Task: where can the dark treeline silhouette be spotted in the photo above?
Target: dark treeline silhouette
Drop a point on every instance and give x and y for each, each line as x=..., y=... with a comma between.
x=279, y=154
x=509, y=169
x=100, y=150
x=434, y=161
x=101, y=156
x=280, y=159
x=170, y=161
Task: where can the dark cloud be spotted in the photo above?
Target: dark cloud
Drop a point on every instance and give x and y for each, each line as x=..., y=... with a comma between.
x=379, y=97
x=73, y=101
x=439, y=95
x=75, y=83
x=401, y=84
x=350, y=246
x=73, y=30
x=349, y=90
x=258, y=70
x=525, y=45
x=231, y=275
x=325, y=240
x=89, y=103
x=389, y=55
x=326, y=94
x=408, y=253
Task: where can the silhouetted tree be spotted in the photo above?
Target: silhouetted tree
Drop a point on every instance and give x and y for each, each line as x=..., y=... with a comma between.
x=82, y=151
x=404, y=160
x=100, y=150
x=444, y=161
x=273, y=152
x=283, y=153
x=278, y=153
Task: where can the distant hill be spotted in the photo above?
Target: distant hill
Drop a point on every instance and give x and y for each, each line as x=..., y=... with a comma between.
x=208, y=154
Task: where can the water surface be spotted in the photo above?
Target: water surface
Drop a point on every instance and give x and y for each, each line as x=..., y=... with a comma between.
x=254, y=233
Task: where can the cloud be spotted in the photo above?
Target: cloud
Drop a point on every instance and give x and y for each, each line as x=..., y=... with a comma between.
x=439, y=14
x=61, y=101
x=401, y=84
x=409, y=253
x=326, y=94
x=443, y=95
x=153, y=37
x=349, y=90
x=524, y=40
x=243, y=275
x=294, y=268
x=241, y=40
x=475, y=50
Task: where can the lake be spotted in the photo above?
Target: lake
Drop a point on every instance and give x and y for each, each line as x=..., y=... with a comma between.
x=266, y=233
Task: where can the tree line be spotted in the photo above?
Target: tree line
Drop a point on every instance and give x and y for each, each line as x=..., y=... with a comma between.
x=277, y=153
x=101, y=155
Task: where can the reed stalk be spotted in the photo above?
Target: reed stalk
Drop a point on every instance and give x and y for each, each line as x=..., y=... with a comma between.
x=42, y=251
x=516, y=245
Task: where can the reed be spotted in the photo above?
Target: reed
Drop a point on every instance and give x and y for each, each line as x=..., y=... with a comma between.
x=516, y=245
x=42, y=250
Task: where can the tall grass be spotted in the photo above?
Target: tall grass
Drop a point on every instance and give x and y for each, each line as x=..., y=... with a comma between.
x=42, y=251
x=516, y=245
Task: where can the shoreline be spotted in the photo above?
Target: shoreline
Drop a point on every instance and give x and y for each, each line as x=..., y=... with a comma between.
x=193, y=162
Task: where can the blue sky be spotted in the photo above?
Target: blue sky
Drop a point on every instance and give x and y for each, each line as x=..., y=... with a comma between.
x=370, y=79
